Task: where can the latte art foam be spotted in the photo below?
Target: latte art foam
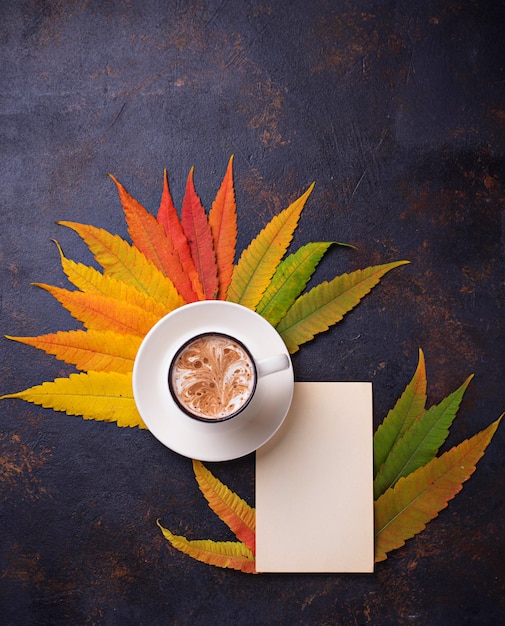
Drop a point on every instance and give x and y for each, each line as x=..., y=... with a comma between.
x=213, y=377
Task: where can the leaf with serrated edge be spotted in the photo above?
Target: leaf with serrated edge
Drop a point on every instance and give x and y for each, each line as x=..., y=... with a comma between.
x=149, y=236
x=167, y=216
x=89, y=279
x=421, y=442
x=197, y=230
x=326, y=304
x=105, y=396
x=227, y=505
x=258, y=262
x=290, y=280
x=223, y=226
x=404, y=510
x=97, y=350
x=98, y=312
x=229, y=554
x=408, y=409
x=124, y=262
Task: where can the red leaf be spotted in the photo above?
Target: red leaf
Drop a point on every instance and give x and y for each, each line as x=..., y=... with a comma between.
x=197, y=230
x=223, y=225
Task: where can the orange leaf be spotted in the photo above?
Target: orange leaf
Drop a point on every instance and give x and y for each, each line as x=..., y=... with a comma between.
x=258, y=262
x=87, y=278
x=223, y=225
x=150, y=237
x=167, y=215
x=98, y=312
x=230, y=554
x=228, y=506
x=197, y=230
x=99, y=350
x=405, y=509
x=124, y=262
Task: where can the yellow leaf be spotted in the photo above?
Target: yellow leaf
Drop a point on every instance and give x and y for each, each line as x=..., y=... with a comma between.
x=327, y=303
x=124, y=262
x=98, y=312
x=230, y=554
x=228, y=506
x=258, y=262
x=405, y=509
x=96, y=350
x=88, y=278
x=106, y=396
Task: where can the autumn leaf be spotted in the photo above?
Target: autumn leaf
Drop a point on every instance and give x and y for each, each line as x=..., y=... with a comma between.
x=223, y=226
x=409, y=408
x=258, y=262
x=230, y=554
x=289, y=280
x=99, y=351
x=88, y=279
x=235, y=512
x=149, y=236
x=99, y=312
x=105, y=396
x=124, y=262
x=326, y=304
x=167, y=216
x=201, y=244
x=421, y=442
x=405, y=509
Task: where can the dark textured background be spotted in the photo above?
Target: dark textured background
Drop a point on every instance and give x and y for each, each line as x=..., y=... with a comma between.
x=396, y=110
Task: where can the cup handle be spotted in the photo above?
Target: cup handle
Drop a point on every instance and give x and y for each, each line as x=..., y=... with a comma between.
x=272, y=364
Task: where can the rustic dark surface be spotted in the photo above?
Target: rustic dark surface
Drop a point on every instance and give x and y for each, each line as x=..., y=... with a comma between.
x=397, y=112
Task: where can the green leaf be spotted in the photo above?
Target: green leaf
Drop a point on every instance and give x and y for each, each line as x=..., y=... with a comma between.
x=405, y=509
x=409, y=408
x=258, y=262
x=421, y=442
x=327, y=303
x=290, y=280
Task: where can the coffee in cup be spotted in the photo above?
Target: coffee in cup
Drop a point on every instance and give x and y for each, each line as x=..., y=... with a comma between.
x=213, y=376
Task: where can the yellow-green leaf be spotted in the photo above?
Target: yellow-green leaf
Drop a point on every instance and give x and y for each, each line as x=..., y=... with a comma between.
x=290, y=280
x=421, y=442
x=124, y=262
x=230, y=554
x=94, y=350
x=409, y=408
x=228, y=506
x=98, y=312
x=405, y=509
x=105, y=396
x=258, y=262
x=326, y=304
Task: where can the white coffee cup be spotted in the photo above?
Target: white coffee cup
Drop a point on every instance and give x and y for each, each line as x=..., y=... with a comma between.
x=237, y=432
x=213, y=376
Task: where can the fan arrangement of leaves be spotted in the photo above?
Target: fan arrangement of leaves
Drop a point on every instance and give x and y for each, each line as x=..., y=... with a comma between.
x=411, y=483
x=176, y=259
x=173, y=261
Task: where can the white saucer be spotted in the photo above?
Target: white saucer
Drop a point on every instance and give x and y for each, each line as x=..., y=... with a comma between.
x=220, y=441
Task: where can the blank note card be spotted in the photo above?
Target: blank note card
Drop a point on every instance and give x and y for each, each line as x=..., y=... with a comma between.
x=314, y=484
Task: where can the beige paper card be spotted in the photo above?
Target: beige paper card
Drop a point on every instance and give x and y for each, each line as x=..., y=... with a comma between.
x=314, y=484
